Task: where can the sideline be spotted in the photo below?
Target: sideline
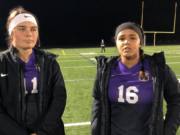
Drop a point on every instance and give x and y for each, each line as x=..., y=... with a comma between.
x=93, y=79
x=79, y=67
x=70, y=60
x=172, y=62
x=85, y=58
x=77, y=124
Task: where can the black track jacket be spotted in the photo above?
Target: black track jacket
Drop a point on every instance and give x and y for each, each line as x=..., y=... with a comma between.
x=165, y=84
x=51, y=92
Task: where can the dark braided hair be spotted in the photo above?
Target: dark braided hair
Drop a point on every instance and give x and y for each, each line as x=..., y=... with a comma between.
x=141, y=55
x=141, y=52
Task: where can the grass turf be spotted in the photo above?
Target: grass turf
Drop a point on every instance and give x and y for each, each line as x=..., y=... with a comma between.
x=74, y=67
x=79, y=92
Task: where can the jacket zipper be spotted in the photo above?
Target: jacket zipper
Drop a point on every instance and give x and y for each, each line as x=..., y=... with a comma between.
x=159, y=105
x=102, y=84
x=19, y=87
x=23, y=95
x=40, y=92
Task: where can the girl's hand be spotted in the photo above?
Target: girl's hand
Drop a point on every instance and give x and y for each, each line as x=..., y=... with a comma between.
x=33, y=134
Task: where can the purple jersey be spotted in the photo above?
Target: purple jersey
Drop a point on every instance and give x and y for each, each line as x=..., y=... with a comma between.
x=31, y=75
x=131, y=99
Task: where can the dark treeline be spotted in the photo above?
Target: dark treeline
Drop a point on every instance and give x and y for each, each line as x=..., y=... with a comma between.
x=73, y=23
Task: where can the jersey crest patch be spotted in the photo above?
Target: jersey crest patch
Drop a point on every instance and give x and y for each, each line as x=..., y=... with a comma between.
x=37, y=67
x=144, y=77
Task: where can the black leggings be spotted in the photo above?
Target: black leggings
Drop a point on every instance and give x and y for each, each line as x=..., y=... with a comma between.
x=102, y=48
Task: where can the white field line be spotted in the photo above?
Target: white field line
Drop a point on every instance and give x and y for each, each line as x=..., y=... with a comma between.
x=93, y=59
x=172, y=51
x=172, y=62
x=59, y=57
x=95, y=66
x=171, y=56
x=83, y=123
x=151, y=50
x=70, y=60
x=72, y=55
x=65, y=57
x=80, y=67
x=90, y=53
x=77, y=124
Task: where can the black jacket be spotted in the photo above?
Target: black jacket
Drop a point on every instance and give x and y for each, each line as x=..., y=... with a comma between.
x=51, y=92
x=165, y=84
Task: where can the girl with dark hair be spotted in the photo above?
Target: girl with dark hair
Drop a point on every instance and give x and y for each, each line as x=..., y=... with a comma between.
x=129, y=89
x=32, y=90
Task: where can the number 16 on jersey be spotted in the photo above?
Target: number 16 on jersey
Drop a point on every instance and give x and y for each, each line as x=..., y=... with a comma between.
x=131, y=96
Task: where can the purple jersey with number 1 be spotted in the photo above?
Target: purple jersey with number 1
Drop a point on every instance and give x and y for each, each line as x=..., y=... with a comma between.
x=31, y=75
x=131, y=99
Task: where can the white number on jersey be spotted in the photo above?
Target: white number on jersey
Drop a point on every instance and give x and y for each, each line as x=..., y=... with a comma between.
x=131, y=96
x=34, y=81
x=121, y=99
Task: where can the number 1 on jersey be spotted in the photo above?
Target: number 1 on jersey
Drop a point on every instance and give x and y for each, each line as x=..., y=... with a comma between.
x=34, y=82
x=121, y=99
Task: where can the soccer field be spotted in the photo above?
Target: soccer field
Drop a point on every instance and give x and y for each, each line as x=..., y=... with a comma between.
x=78, y=67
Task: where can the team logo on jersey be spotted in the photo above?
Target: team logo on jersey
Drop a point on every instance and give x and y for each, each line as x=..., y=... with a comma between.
x=37, y=67
x=27, y=16
x=144, y=77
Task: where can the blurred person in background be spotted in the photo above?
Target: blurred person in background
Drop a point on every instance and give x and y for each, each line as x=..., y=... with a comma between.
x=102, y=46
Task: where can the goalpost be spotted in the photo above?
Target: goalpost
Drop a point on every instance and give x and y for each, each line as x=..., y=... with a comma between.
x=155, y=32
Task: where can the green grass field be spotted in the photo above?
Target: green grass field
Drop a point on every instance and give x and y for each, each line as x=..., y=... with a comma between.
x=79, y=73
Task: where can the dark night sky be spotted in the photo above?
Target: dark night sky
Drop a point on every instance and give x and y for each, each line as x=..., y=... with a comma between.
x=71, y=23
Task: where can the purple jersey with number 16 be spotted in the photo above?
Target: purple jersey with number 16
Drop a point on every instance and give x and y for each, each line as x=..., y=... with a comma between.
x=131, y=99
x=31, y=75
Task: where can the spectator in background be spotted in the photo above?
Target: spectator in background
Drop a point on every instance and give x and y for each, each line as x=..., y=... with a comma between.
x=102, y=46
x=32, y=90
